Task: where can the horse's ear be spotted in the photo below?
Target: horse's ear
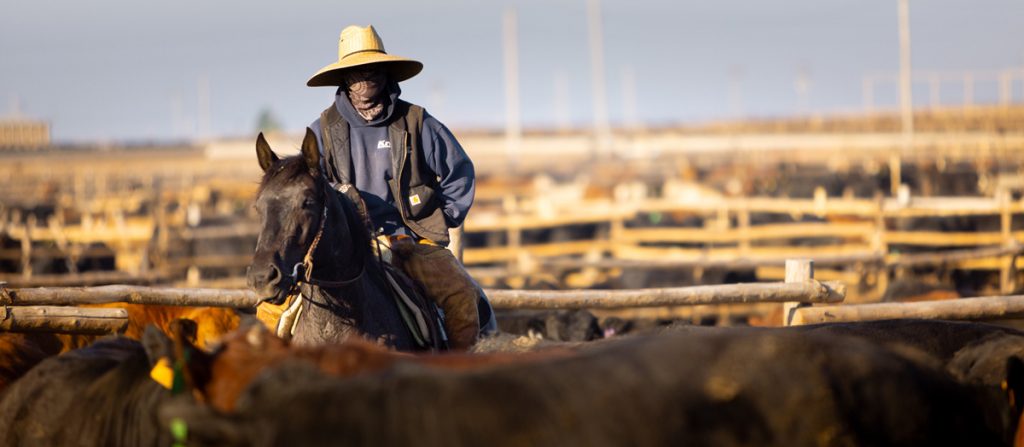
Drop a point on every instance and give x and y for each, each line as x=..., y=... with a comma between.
x=311, y=151
x=266, y=156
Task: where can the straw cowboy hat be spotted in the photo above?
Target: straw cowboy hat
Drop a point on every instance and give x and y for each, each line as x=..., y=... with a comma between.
x=358, y=47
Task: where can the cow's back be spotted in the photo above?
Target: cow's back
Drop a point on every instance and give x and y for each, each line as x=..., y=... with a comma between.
x=83, y=397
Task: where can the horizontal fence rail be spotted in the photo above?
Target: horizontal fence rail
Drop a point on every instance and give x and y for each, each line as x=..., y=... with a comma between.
x=809, y=292
x=76, y=320
x=71, y=296
x=983, y=308
x=800, y=287
x=707, y=261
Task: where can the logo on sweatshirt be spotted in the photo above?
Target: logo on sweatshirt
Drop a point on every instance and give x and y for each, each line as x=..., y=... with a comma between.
x=383, y=144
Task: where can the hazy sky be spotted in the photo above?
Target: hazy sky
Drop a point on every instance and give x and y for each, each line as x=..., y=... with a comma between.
x=131, y=69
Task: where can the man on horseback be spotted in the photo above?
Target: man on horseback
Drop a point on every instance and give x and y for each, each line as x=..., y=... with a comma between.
x=412, y=179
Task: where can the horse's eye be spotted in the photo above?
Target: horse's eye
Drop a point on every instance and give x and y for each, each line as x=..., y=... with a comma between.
x=309, y=203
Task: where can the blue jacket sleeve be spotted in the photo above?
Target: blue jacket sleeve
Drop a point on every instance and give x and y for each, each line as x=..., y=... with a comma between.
x=445, y=156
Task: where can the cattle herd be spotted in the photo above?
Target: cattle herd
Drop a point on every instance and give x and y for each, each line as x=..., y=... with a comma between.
x=216, y=378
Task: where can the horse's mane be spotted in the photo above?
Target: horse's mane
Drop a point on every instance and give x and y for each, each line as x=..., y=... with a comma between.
x=357, y=227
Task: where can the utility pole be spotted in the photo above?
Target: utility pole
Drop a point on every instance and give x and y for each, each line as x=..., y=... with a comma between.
x=935, y=90
x=867, y=93
x=513, y=127
x=561, y=101
x=968, y=89
x=177, y=109
x=1005, y=87
x=906, y=100
x=803, y=88
x=736, y=92
x=203, y=93
x=602, y=130
x=629, y=106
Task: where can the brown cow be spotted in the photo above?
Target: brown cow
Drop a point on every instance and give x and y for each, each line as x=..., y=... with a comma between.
x=220, y=377
x=213, y=322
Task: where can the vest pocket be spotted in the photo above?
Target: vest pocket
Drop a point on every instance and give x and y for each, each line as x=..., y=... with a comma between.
x=419, y=202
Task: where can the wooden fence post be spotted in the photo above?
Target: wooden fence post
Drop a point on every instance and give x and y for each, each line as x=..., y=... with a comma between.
x=895, y=173
x=26, y=246
x=743, y=225
x=514, y=241
x=1007, y=270
x=881, y=246
x=616, y=233
x=797, y=271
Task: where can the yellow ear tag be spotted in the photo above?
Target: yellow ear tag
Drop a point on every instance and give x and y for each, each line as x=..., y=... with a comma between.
x=162, y=373
x=414, y=199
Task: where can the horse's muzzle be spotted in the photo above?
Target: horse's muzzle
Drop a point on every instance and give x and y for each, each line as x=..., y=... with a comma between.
x=266, y=282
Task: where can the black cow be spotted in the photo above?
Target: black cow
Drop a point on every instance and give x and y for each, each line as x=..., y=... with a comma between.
x=715, y=388
x=938, y=338
x=552, y=325
x=947, y=344
x=100, y=395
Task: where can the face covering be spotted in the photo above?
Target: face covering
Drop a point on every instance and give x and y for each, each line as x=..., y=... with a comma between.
x=367, y=92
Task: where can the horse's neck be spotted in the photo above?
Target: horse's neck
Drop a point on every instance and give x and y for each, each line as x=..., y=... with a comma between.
x=337, y=258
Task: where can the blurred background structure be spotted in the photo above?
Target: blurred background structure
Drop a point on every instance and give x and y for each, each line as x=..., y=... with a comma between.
x=618, y=144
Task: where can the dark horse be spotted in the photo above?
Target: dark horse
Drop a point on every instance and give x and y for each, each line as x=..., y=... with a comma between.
x=314, y=240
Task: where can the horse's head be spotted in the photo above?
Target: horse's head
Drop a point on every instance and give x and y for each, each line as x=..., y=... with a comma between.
x=290, y=203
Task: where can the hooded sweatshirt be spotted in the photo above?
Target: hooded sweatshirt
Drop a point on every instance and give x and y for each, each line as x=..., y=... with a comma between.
x=371, y=164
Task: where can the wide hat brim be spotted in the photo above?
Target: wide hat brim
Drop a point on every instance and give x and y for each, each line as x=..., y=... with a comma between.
x=399, y=68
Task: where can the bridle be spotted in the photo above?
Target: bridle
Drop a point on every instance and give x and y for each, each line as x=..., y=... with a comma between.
x=302, y=272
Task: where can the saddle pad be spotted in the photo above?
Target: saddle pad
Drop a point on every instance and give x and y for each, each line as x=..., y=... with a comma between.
x=412, y=315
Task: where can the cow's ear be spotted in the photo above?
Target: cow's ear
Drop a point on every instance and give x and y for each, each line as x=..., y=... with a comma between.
x=197, y=363
x=157, y=345
x=264, y=153
x=185, y=331
x=311, y=152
